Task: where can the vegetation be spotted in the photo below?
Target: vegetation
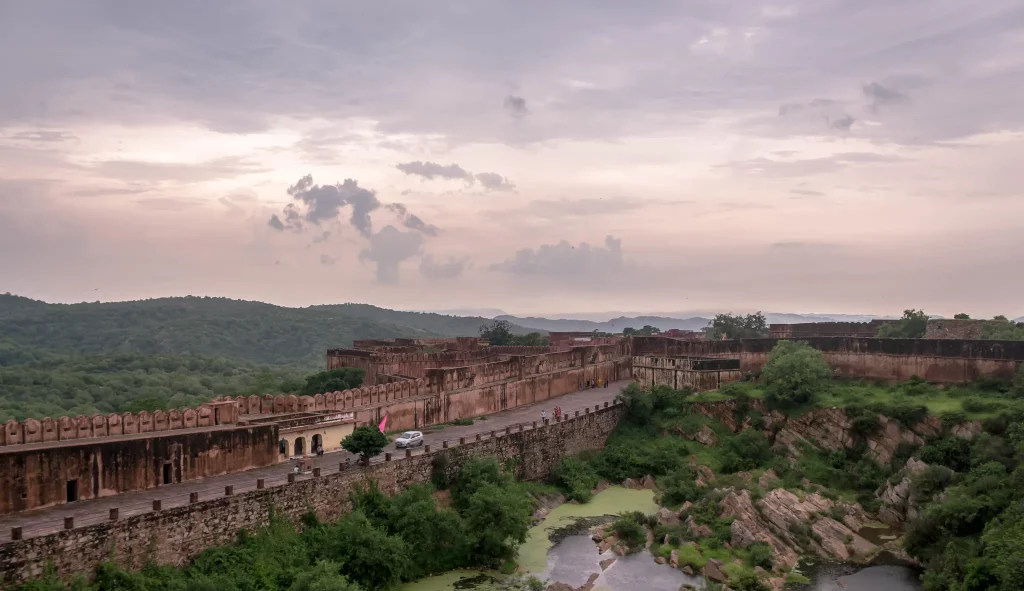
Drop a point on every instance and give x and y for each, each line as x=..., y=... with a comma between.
x=334, y=380
x=1003, y=330
x=728, y=326
x=794, y=374
x=961, y=316
x=501, y=332
x=59, y=359
x=646, y=331
x=367, y=441
x=912, y=325
x=381, y=543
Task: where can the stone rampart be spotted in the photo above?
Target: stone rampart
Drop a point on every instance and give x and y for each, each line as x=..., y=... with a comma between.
x=697, y=373
x=377, y=363
x=174, y=536
x=129, y=423
x=944, y=361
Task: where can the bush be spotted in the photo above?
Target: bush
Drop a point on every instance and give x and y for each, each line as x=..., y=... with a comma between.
x=906, y=413
x=978, y=405
x=951, y=452
x=794, y=374
x=577, y=478
x=681, y=486
x=761, y=554
x=639, y=405
x=629, y=532
x=929, y=482
x=748, y=450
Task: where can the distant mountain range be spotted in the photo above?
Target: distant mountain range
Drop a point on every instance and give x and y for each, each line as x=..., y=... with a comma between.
x=615, y=325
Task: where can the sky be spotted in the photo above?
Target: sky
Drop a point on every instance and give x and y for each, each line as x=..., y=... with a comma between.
x=540, y=157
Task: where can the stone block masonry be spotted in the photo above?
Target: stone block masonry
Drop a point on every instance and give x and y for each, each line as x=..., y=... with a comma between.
x=175, y=536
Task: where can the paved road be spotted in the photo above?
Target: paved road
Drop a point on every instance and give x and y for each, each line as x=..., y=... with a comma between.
x=92, y=511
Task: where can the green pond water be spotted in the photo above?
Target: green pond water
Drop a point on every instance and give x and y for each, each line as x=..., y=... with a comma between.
x=533, y=555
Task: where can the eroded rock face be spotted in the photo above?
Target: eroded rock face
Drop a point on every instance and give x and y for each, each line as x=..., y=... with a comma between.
x=748, y=527
x=968, y=430
x=897, y=505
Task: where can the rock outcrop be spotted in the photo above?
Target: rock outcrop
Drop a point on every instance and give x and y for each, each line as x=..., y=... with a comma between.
x=897, y=505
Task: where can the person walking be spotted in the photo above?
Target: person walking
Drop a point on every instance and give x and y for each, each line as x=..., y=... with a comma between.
x=543, y=415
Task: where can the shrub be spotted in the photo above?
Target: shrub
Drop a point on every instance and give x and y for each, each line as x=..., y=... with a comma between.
x=639, y=405
x=951, y=452
x=745, y=451
x=906, y=413
x=929, y=482
x=761, y=554
x=680, y=486
x=629, y=532
x=978, y=405
x=577, y=478
x=794, y=374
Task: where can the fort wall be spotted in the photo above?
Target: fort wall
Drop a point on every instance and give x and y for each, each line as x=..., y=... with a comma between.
x=942, y=361
x=378, y=364
x=99, y=425
x=174, y=536
x=44, y=474
x=697, y=373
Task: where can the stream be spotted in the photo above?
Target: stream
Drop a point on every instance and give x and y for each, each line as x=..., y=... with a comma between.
x=559, y=549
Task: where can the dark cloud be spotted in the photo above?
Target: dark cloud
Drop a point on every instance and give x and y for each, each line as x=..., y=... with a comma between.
x=882, y=96
x=565, y=259
x=493, y=181
x=429, y=170
x=411, y=221
x=324, y=203
x=451, y=268
x=276, y=223
x=388, y=248
x=843, y=123
x=45, y=136
x=516, y=105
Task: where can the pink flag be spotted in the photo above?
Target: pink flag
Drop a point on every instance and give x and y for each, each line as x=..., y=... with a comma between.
x=383, y=424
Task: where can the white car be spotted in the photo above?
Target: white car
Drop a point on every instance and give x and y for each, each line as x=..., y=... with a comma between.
x=409, y=439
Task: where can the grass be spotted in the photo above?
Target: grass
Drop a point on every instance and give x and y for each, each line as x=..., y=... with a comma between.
x=797, y=578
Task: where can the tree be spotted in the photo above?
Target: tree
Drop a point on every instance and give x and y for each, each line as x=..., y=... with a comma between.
x=325, y=576
x=367, y=554
x=961, y=316
x=500, y=518
x=794, y=374
x=533, y=339
x=497, y=333
x=367, y=441
x=729, y=326
x=913, y=325
x=333, y=380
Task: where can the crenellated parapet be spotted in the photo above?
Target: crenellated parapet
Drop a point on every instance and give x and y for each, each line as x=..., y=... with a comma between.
x=222, y=412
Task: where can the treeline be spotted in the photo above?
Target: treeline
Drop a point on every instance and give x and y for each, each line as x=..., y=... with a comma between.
x=381, y=543
x=131, y=383
x=251, y=332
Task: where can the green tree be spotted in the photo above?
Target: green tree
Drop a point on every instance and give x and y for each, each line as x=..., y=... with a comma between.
x=729, y=326
x=437, y=538
x=497, y=333
x=367, y=441
x=794, y=374
x=325, y=576
x=533, y=339
x=474, y=475
x=499, y=517
x=577, y=478
x=961, y=316
x=368, y=555
x=913, y=325
x=333, y=380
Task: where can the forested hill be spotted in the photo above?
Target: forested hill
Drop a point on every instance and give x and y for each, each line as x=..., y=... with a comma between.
x=244, y=331
x=70, y=359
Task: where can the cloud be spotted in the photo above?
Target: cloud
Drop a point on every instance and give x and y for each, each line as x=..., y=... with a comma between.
x=324, y=202
x=516, y=105
x=429, y=170
x=451, y=268
x=843, y=123
x=804, y=167
x=565, y=259
x=807, y=192
x=411, y=221
x=388, y=248
x=45, y=136
x=181, y=172
x=328, y=260
x=882, y=96
x=493, y=181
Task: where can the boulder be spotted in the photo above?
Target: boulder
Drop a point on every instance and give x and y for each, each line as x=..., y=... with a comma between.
x=968, y=430
x=897, y=506
x=647, y=482
x=602, y=485
x=713, y=571
x=673, y=558
x=769, y=479
x=697, y=530
x=833, y=536
x=660, y=560
x=667, y=517
x=687, y=569
x=607, y=562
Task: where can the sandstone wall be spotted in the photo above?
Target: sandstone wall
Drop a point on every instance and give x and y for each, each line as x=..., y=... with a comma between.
x=698, y=374
x=947, y=360
x=33, y=476
x=416, y=364
x=129, y=423
x=174, y=536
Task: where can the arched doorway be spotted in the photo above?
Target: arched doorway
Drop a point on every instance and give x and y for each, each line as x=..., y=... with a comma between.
x=318, y=442
x=283, y=448
x=300, y=446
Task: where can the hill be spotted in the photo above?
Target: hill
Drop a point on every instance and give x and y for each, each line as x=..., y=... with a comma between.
x=243, y=331
x=69, y=359
x=614, y=325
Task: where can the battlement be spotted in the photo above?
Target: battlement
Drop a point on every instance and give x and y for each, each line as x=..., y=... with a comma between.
x=98, y=425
